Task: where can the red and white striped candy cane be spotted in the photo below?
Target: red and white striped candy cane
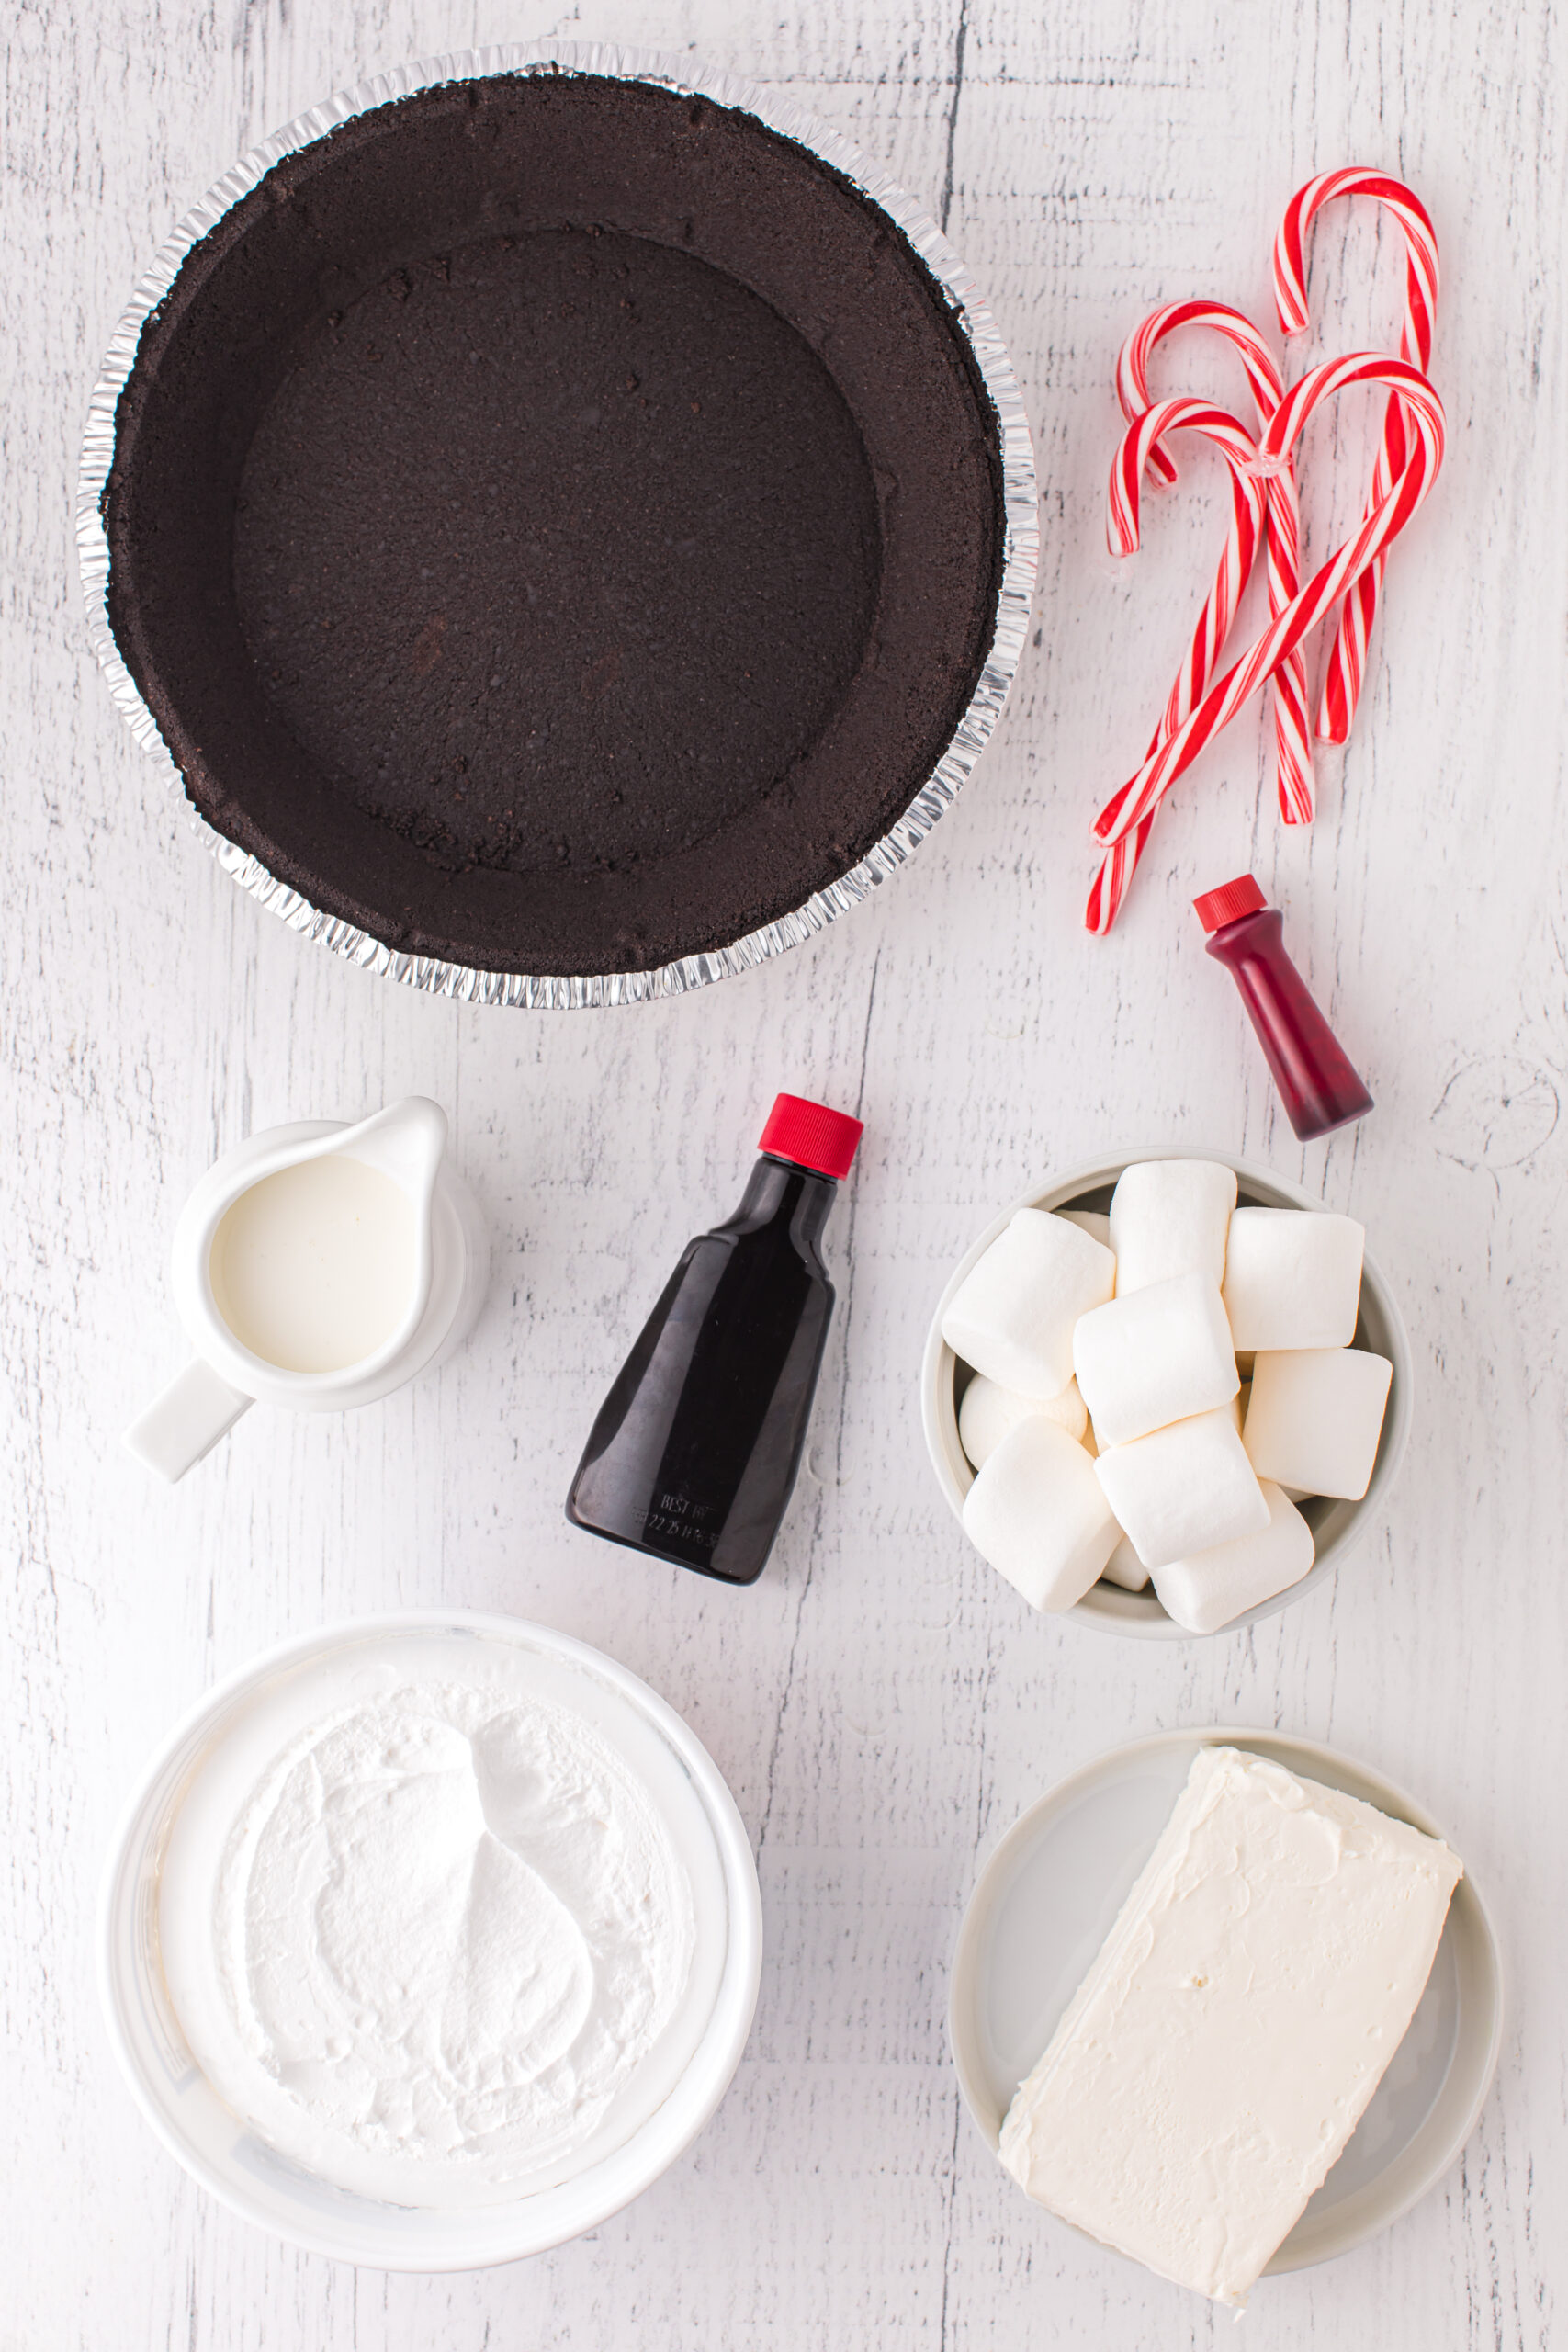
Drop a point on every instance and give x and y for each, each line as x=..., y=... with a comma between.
x=1292, y=742
x=1140, y=797
x=1138, y=447
x=1263, y=369
x=1347, y=660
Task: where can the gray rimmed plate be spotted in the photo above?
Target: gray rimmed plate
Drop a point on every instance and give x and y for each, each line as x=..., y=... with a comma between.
x=1045, y=1901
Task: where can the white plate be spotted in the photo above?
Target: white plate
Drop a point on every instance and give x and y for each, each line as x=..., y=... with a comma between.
x=1045, y=1901
x=246, y=2174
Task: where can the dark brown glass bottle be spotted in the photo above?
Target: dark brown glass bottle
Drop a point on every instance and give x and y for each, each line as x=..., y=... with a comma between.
x=695, y=1447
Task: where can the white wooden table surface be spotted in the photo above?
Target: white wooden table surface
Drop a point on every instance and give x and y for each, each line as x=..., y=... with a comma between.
x=881, y=1703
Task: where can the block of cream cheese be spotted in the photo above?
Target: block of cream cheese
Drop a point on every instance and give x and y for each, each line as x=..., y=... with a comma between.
x=1223, y=2046
x=988, y=1411
x=1012, y=1316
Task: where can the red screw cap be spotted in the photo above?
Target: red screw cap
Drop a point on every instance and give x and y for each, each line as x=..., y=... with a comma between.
x=1229, y=902
x=811, y=1134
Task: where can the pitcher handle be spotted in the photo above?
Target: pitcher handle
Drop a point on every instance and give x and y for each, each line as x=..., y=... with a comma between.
x=178, y=1428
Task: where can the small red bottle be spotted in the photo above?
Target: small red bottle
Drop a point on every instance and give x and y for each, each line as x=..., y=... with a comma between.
x=1317, y=1085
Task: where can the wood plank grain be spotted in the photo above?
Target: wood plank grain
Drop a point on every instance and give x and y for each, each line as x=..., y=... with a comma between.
x=881, y=1703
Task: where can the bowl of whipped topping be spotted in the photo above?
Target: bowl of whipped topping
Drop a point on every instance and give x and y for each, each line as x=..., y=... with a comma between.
x=430, y=1942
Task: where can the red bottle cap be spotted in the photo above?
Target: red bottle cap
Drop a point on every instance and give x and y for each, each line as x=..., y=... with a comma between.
x=1229, y=902
x=811, y=1134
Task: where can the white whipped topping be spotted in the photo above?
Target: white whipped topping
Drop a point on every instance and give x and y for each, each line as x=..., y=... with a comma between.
x=426, y=1949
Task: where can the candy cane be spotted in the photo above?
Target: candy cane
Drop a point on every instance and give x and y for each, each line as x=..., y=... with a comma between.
x=1348, y=661
x=1263, y=369
x=1292, y=745
x=1138, y=798
x=1139, y=447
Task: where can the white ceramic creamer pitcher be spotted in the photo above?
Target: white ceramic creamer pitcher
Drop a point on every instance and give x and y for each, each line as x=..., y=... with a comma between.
x=317, y=1266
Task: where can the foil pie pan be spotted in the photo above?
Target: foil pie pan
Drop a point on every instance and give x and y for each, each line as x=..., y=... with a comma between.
x=1020, y=549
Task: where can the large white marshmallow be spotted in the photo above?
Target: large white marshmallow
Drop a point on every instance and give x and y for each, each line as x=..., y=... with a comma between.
x=1091, y=1221
x=1184, y=1488
x=1293, y=1278
x=1170, y=1217
x=1206, y=1589
x=988, y=1411
x=1037, y=1513
x=1125, y=1568
x=1160, y=1356
x=1315, y=1417
x=1014, y=1313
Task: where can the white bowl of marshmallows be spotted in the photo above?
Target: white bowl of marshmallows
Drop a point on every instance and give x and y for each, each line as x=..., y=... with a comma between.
x=1166, y=1393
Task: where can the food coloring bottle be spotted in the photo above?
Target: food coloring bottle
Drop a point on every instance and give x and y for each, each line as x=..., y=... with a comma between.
x=697, y=1446
x=1310, y=1066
